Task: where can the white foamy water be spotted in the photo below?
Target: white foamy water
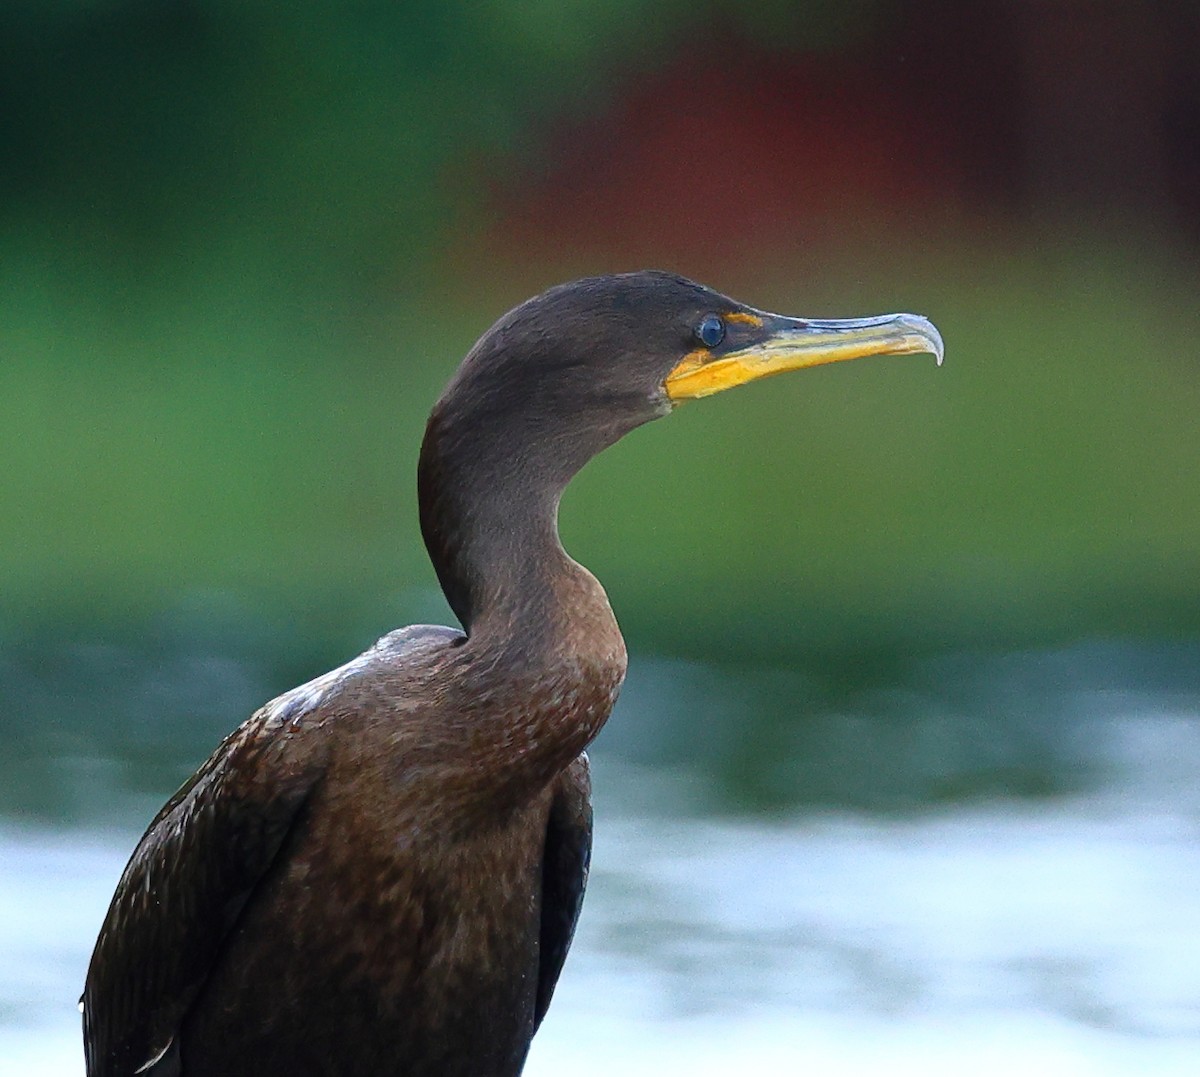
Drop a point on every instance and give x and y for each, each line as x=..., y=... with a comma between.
x=1058, y=937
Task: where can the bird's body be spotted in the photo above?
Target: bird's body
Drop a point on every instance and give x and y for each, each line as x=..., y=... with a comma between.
x=438, y=929
x=380, y=871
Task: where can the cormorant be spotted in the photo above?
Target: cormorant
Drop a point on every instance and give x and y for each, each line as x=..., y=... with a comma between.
x=381, y=870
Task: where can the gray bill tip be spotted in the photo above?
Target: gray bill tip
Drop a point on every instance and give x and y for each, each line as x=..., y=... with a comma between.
x=922, y=328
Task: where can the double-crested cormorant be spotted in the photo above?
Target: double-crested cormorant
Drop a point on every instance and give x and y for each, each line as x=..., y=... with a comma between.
x=381, y=870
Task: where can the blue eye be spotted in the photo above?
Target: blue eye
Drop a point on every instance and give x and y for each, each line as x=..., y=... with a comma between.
x=711, y=331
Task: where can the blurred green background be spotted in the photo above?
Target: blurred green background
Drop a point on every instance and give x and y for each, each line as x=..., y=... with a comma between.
x=243, y=245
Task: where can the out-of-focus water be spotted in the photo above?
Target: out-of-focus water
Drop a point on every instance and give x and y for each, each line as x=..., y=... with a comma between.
x=1058, y=940
x=983, y=933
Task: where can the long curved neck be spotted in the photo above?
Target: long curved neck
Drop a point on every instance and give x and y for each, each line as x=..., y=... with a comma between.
x=489, y=517
x=544, y=658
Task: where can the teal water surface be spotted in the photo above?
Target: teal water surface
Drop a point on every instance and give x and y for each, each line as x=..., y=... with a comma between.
x=983, y=863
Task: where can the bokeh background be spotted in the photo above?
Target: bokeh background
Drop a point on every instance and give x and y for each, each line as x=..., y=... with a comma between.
x=904, y=772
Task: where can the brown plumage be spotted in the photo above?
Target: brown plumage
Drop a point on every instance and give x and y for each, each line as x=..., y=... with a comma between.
x=381, y=871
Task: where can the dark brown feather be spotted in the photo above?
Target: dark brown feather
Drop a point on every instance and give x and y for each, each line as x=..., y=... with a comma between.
x=381, y=871
x=565, y=866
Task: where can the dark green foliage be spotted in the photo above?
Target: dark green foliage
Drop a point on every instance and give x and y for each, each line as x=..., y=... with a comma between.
x=335, y=137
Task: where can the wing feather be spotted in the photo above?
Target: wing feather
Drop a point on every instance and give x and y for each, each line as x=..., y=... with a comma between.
x=564, y=875
x=182, y=893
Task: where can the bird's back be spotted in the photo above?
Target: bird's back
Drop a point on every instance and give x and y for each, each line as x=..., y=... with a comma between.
x=323, y=899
